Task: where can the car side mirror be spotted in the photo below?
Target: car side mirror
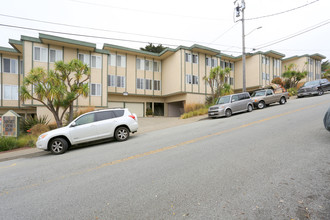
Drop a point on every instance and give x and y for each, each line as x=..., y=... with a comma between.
x=73, y=124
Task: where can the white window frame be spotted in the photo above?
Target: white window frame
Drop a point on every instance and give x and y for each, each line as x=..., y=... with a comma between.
x=43, y=54
x=148, y=84
x=13, y=93
x=207, y=61
x=195, y=58
x=214, y=62
x=156, y=66
x=188, y=57
x=189, y=79
x=140, y=64
x=112, y=59
x=58, y=55
x=98, y=89
x=140, y=83
x=96, y=62
x=195, y=80
x=121, y=60
x=120, y=81
x=85, y=58
x=13, y=65
x=157, y=85
x=111, y=80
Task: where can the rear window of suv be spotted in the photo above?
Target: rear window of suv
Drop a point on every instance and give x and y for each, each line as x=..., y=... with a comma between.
x=118, y=113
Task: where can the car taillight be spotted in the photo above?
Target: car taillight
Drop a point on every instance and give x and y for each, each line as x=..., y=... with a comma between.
x=132, y=116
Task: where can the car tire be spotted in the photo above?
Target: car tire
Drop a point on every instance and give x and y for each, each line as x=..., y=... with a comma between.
x=121, y=134
x=228, y=113
x=261, y=105
x=320, y=92
x=282, y=100
x=58, y=146
x=250, y=108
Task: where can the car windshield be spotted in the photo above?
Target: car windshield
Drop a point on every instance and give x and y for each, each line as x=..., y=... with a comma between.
x=258, y=93
x=224, y=100
x=311, y=83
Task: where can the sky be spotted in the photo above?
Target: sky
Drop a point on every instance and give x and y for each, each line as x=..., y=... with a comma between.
x=290, y=27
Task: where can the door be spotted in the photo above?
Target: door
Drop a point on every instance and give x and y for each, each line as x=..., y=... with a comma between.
x=135, y=107
x=84, y=130
x=106, y=123
x=235, y=103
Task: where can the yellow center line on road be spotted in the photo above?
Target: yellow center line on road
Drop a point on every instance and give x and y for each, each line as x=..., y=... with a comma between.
x=164, y=148
x=14, y=164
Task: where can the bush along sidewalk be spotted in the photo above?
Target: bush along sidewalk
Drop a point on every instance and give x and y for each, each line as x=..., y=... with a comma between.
x=10, y=143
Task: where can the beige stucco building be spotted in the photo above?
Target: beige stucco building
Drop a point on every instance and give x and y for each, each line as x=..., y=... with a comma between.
x=139, y=80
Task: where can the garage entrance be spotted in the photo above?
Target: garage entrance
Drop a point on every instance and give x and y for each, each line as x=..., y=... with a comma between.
x=175, y=109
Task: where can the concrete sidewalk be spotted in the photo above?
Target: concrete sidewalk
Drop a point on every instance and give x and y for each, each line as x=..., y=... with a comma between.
x=146, y=124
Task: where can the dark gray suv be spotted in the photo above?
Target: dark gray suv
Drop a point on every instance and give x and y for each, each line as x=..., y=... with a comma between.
x=230, y=104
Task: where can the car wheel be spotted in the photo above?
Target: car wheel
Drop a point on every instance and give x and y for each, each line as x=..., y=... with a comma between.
x=250, y=108
x=228, y=113
x=282, y=100
x=121, y=134
x=58, y=146
x=261, y=105
x=320, y=92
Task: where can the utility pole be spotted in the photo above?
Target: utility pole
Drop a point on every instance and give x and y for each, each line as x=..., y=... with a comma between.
x=240, y=8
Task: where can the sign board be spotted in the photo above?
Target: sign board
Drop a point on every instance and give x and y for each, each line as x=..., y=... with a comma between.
x=10, y=124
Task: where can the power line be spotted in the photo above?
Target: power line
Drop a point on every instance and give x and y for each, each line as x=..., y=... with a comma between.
x=106, y=30
x=293, y=35
x=265, y=16
x=92, y=36
x=224, y=33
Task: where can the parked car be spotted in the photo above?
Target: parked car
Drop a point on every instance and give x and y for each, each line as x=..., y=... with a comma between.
x=316, y=87
x=230, y=104
x=264, y=97
x=326, y=120
x=91, y=126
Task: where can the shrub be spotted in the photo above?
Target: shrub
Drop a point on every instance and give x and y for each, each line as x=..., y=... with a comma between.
x=278, y=81
x=8, y=143
x=292, y=91
x=149, y=111
x=52, y=126
x=26, y=141
x=38, y=129
x=29, y=122
x=192, y=107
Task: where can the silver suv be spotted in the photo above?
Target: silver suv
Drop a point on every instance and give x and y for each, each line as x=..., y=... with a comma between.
x=92, y=126
x=230, y=104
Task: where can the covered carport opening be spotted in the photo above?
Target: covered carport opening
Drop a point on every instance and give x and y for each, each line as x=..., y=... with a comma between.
x=175, y=109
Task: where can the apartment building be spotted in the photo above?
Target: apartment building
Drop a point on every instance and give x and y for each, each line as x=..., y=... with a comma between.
x=139, y=80
x=309, y=63
x=261, y=69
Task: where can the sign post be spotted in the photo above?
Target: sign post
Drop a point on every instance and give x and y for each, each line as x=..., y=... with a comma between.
x=10, y=124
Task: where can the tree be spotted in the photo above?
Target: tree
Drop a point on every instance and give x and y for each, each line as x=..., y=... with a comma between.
x=57, y=89
x=216, y=80
x=155, y=49
x=75, y=74
x=325, y=68
x=293, y=75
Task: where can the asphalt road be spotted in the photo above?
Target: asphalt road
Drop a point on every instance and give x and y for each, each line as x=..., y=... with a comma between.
x=267, y=164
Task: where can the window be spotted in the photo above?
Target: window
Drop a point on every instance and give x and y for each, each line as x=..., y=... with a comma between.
x=40, y=54
x=267, y=76
x=265, y=60
x=195, y=58
x=86, y=119
x=191, y=79
x=226, y=64
x=96, y=62
x=95, y=89
x=112, y=59
x=116, y=81
x=10, y=92
x=112, y=80
x=139, y=83
x=157, y=85
x=121, y=81
x=234, y=98
x=157, y=66
x=104, y=115
x=10, y=65
x=55, y=55
x=263, y=75
x=121, y=60
x=269, y=92
x=188, y=57
x=149, y=84
x=232, y=66
x=139, y=64
x=214, y=62
x=148, y=65
x=231, y=81
x=207, y=61
x=84, y=58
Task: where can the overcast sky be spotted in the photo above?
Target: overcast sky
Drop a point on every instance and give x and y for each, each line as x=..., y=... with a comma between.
x=175, y=22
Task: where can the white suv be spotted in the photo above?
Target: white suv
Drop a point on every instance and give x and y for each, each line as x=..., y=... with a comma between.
x=91, y=126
